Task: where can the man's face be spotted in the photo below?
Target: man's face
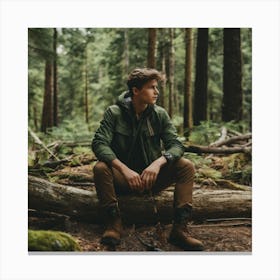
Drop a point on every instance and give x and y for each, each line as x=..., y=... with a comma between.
x=148, y=94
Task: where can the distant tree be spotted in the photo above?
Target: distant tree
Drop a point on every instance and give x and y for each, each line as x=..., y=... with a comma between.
x=232, y=85
x=201, y=77
x=246, y=48
x=162, y=59
x=126, y=51
x=171, y=68
x=152, y=47
x=40, y=46
x=72, y=97
x=215, y=74
x=55, y=92
x=47, y=112
x=86, y=88
x=188, y=121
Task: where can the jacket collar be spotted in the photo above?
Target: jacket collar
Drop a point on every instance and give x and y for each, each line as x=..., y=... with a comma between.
x=124, y=101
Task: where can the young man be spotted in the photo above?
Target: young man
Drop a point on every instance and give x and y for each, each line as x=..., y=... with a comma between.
x=128, y=147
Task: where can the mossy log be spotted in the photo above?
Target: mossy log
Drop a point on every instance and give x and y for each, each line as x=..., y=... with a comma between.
x=83, y=204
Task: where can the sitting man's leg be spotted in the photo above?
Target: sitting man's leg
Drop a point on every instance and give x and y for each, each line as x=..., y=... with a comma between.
x=105, y=178
x=180, y=172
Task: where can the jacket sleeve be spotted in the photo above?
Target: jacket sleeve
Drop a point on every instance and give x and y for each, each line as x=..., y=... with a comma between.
x=170, y=139
x=101, y=143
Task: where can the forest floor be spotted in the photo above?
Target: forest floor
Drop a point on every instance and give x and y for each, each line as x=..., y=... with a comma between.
x=215, y=238
x=222, y=236
x=218, y=236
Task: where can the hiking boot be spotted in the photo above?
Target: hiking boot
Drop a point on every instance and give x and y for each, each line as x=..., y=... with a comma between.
x=112, y=234
x=180, y=235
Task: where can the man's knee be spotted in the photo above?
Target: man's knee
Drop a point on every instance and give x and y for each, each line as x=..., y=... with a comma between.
x=100, y=168
x=186, y=164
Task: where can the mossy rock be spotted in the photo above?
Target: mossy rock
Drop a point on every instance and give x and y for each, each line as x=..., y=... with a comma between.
x=46, y=240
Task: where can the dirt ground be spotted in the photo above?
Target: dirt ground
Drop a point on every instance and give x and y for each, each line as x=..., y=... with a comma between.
x=222, y=236
x=217, y=236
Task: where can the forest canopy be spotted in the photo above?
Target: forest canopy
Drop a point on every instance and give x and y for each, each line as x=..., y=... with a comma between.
x=75, y=73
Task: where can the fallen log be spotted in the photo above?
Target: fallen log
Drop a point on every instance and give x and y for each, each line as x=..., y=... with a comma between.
x=83, y=204
x=197, y=149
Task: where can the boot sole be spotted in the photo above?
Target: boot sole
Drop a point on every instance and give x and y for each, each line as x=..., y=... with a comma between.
x=185, y=247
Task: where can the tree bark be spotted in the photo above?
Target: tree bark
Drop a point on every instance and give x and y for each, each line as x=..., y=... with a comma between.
x=126, y=51
x=162, y=62
x=201, y=77
x=188, y=122
x=47, y=114
x=83, y=204
x=171, y=67
x=55, y=92
x=86, y=87
x=232, y=97
x=152, y=48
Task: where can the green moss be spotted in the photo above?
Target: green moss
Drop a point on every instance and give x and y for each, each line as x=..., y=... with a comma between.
x=45, y=240
x=82, y=150
x=75, y=162
x=208, y=172
x=238, y=167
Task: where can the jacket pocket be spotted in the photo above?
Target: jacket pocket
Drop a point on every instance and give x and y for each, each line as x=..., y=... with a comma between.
x=123, y=130
x=122, y=141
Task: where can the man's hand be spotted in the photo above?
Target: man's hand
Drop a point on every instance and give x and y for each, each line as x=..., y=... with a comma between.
x=133, y=179
x=149, y=175
x=144, y=181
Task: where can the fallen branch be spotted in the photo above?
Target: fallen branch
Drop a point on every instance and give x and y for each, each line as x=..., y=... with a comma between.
x=234, y=139
x=221, y=139
x=223, y=225
x=197, y=149
x=39, y=142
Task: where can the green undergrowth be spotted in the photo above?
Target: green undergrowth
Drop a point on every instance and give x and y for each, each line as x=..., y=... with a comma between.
x=235, y=167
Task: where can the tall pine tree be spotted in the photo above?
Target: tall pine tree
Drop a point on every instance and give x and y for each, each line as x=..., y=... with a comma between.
x=201, y=77
x=232, y=85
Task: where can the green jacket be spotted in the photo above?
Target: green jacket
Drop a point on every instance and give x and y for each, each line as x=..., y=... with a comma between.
x=121, y=136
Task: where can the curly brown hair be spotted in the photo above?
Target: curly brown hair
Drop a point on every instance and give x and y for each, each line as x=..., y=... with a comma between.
x=140, y=76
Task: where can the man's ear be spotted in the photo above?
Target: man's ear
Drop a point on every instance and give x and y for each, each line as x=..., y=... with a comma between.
x=135, y=90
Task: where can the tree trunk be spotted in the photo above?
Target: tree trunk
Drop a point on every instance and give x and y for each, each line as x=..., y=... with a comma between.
x=171, y=62
x=188, y=122
x=152, y=47
x=126, y=52
x=55, y=101
x=35, y=118
x=47, y=114
x=201, y=77
x=86, y=88
x=232, y=98
x=162, y=63
x=83, y=204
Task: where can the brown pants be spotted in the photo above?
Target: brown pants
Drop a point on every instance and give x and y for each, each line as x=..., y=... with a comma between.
x=109, y=181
